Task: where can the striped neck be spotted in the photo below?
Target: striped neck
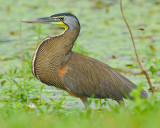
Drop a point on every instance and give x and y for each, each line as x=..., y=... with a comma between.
x=51, y=48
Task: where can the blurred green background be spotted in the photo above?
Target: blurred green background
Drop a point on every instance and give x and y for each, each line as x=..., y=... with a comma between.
x=103, y=36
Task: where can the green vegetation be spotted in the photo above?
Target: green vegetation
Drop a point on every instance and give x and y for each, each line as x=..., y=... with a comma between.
x=26, y=102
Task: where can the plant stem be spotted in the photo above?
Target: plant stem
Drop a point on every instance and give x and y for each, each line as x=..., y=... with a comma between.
x=138, y=58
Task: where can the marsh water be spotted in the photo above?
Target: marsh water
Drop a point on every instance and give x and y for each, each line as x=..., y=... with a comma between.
x=104, y=36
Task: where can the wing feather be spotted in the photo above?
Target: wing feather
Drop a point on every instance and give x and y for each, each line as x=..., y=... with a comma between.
x=86, y=76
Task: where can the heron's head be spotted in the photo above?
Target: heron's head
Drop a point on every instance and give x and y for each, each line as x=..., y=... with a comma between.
x=62, y=19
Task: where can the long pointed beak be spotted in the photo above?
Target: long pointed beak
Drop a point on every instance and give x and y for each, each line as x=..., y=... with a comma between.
x=41, y=20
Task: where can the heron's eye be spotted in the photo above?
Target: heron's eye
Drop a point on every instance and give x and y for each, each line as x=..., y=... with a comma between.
x=61, y=18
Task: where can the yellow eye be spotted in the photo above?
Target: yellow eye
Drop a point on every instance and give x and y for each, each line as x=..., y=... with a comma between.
x=61, y=18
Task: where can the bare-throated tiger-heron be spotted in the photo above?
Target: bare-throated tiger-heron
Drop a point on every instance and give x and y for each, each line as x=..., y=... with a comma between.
x=54, y=63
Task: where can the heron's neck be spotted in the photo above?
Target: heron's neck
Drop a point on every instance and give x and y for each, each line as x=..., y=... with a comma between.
x=61, y=43
x=55, y=48
x=67, y=39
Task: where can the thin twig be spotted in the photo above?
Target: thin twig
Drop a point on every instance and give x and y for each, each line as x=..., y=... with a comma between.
x=138, y=58
x=21, y=46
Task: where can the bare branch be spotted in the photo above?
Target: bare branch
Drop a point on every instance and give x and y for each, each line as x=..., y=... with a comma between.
x=138, y=58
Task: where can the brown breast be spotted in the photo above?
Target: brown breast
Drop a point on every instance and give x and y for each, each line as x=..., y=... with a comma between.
x=51, y=56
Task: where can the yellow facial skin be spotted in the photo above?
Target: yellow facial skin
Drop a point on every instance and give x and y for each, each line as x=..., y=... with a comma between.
x=60, y=23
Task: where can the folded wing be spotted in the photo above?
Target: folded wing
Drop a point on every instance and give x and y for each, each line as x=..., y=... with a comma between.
x=86, y=77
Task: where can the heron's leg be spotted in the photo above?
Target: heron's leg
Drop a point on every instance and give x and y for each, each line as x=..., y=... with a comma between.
x=100, y=103
x=121, y=102
x=84, y=100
